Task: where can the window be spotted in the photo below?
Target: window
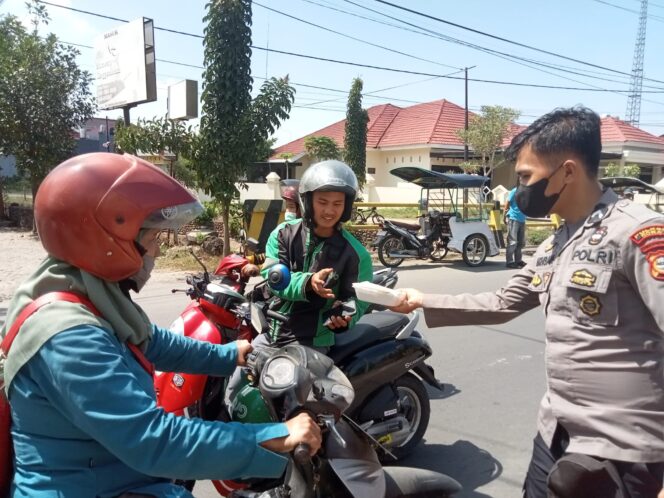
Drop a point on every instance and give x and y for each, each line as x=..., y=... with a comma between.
x=371, y=171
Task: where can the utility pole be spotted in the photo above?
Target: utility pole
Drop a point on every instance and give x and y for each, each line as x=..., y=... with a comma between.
x=465, y=142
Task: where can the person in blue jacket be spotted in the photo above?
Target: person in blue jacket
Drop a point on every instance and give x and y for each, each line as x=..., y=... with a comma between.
x=84, y=417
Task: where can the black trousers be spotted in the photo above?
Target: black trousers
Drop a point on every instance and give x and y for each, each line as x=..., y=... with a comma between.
x=641, y=480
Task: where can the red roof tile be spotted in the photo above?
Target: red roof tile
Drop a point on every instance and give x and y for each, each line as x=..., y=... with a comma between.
x=616, y=130
x=436, y=123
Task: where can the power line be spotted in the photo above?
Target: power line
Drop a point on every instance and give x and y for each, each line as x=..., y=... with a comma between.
x=371, y=66
x=500, y=38
x=510, y=57
x=650, y=16
x=356, y=39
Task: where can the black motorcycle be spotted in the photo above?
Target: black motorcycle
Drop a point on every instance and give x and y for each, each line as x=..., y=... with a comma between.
x=294, y=379
x=399, y=240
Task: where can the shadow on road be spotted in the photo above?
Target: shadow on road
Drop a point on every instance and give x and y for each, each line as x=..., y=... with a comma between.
x=473, y=467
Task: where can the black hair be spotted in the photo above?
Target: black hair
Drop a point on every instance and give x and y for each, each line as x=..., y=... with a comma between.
x=573, y=130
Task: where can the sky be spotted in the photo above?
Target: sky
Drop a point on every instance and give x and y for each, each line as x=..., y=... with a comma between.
x=598, y=32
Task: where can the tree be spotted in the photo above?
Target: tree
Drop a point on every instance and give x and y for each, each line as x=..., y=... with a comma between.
x=355, y=138
x=628, y=170
x=233, y=127
x=321, y=148
x=171, y=139
x=45, y=96
x=487, y=132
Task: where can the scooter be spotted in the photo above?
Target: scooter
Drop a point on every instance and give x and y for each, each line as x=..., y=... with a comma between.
x=294, y=379
x=384, y=358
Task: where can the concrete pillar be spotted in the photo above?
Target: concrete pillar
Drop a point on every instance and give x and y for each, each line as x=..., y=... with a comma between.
x=272, y=180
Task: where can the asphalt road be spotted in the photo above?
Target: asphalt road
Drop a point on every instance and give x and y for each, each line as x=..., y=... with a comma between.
x=482, y=425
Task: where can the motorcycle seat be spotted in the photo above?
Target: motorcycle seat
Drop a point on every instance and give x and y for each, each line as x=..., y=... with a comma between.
x=406, y=225
x=369, y=329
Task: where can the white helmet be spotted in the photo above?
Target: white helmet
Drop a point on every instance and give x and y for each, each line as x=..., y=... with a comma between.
x=327, y=176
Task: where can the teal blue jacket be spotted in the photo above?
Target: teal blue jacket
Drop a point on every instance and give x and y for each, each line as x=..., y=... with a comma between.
x=85, y=423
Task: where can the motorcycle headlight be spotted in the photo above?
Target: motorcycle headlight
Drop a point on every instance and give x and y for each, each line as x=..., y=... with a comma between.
x=279, y=373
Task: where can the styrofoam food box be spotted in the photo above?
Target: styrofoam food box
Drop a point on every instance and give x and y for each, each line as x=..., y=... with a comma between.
x=372, y=293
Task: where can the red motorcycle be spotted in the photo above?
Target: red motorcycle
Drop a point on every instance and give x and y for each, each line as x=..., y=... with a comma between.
x=217, y=314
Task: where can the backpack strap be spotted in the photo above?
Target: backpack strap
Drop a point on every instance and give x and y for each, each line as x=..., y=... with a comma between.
x=70, y=297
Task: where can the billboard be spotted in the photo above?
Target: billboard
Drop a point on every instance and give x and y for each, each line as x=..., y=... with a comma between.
x=125, y=61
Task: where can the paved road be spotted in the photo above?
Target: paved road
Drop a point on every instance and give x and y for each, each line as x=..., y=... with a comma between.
x=482, y=424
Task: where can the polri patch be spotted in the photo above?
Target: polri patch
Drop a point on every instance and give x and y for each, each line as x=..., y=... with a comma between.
x=590, y=305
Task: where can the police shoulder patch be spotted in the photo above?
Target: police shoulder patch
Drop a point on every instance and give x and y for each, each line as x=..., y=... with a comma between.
x=643, y=235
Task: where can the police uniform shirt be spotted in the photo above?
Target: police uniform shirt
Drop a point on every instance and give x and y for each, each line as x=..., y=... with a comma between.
x=601, y=286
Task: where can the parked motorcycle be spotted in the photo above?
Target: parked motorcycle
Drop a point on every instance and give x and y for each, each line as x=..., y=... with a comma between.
x=399, y=240
x=294, y=379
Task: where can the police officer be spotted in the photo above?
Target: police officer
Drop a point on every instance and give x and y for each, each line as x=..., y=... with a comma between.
x=600, y=280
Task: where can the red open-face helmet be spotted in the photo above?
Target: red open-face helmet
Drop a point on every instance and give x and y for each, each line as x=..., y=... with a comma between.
x=90, y=208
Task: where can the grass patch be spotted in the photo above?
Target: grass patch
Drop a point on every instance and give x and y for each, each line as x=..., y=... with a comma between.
x=535, y=236
x=399, y=212
x=180, y=259
x=18, y=198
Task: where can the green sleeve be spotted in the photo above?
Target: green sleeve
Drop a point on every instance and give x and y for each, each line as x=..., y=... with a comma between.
x=276, y=249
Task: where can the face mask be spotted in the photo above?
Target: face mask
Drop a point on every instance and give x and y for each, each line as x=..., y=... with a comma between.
x=141, y=277
x=290, y=216
x=531, y=199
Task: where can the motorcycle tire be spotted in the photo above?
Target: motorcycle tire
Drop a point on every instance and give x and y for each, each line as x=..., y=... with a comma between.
x=439, y=253
x=475, y=249
x=392, y=243
x=415, y=406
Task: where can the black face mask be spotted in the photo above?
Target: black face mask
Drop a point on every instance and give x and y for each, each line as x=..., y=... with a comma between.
x=531, y=199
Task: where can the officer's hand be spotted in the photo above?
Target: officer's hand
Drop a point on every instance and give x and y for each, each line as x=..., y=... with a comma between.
x=301, y=429
x=243, y=349
x=661, y=494
x=411, y=299
x=317, y=282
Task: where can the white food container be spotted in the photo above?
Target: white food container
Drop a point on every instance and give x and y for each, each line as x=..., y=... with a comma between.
x=372, y=293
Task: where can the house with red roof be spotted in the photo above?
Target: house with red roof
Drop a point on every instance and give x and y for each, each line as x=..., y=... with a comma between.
x=633, y=145
x=425, y=135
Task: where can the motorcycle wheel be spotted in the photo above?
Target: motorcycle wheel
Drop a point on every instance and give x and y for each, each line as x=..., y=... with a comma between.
x=439, y=252
x=475, y=249
x=390, y=243
x=414, y=405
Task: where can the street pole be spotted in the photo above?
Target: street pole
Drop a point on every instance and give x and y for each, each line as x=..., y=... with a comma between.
x=465, y=142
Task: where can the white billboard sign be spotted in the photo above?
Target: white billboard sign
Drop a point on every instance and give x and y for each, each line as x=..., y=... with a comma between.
x=125, y=63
